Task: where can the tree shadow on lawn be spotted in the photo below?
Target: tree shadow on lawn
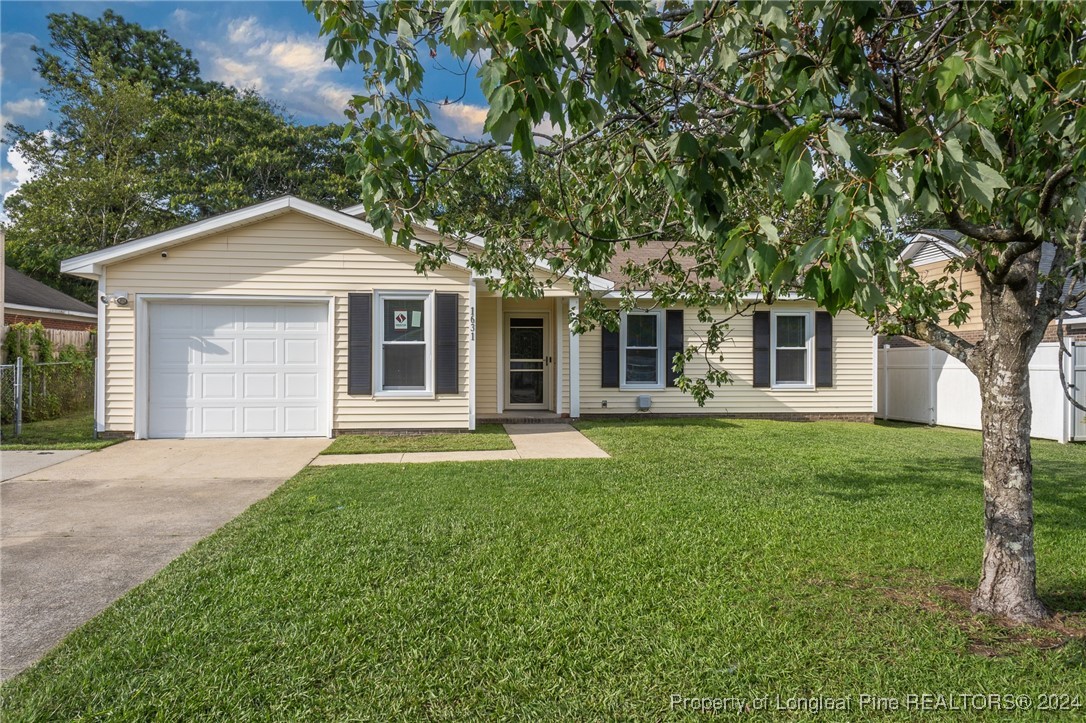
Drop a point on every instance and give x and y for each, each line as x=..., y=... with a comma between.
x=1057, y=486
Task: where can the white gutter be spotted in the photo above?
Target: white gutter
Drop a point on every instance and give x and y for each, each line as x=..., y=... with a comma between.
x=47, y=310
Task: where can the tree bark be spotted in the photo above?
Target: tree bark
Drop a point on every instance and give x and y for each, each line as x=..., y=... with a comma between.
x=1008, y=581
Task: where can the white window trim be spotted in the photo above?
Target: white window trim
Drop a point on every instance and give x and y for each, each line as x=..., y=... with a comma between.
x=661, y=351
x=380, y=297
x=809, y=326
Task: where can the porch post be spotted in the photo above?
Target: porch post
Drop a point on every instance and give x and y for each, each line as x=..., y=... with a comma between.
x=574, y=364
x=560, y=312
x=471, y=354
x=500, y=366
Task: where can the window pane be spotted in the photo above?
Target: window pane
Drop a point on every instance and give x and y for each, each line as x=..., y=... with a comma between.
x=526, y=387
x=404, y=366
x=640, y=330
x=404, y=320
x=791, y=365
x=641, y=366
x=526, y=343
x=791, y=331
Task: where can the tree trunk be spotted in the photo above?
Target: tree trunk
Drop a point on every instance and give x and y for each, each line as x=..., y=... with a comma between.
x=1008, y=581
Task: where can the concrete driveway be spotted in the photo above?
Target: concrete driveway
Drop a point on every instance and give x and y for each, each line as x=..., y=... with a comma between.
x=75, y=536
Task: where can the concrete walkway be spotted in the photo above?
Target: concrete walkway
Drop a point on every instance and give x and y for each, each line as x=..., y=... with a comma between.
x=75, y=536
x=531, y=441
x=16, y=464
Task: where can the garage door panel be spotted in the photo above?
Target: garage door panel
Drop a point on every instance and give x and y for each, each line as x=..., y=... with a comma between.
x=220, y=319
x=260, y=385
x=247, y=369
x=301, y=420
x=177, y=318
x=301, y=386
x=219, y=386
x=260, y=318
x=215, y=351
x=300, y=351
x=219, y=420
x=259, y=351
x=260, y=420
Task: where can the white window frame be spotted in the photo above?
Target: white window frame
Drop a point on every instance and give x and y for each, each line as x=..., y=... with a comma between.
x=380, y=297
x=661, y=350
x=808, y=383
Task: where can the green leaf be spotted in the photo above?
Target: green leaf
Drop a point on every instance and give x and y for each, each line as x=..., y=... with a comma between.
x=989, y=142
x=915, y=137
x=948, y=73
x=838, y=141
x=1068, y=79
x=769, y=230
x=798, y=179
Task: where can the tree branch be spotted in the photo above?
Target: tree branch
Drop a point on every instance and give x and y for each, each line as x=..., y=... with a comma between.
x=1048, y=191
x=942, y=339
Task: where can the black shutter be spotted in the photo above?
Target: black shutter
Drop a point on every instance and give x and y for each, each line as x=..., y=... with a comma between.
x=674, y=335
x=761, y=349
x=823, y=349
x=359, y=343
x=447, y=343
x=610, y=357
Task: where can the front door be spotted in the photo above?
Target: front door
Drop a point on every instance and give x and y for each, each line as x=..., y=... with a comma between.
x=527, y=383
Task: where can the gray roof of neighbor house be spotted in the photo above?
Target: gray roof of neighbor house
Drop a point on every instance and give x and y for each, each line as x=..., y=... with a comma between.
x=25, y=291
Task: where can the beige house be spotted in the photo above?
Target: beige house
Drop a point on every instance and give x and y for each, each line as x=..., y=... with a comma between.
x=291, y=319
x=931, y=250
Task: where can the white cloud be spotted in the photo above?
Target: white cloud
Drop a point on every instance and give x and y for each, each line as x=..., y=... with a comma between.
x=17, y=110
x=283, y=66
x=17, y=173
x=182, y=18
x=465, y=118
x=237, y=73
x=16, y=57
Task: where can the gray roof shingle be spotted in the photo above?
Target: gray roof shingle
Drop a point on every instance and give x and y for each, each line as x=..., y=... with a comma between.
x=23, y=290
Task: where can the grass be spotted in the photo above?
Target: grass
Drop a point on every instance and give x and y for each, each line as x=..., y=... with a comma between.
x=485, y=436
x=75, y=431
x=705, y=559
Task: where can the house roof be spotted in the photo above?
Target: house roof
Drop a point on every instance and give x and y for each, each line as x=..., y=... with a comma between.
x=596, y=283
x=950, y=243
x=26, y=294
x=90, y=265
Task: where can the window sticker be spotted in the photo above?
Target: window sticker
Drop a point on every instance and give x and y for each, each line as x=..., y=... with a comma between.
x=399, y=319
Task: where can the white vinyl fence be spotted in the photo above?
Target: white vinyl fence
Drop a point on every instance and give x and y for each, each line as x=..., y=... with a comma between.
x=923, y=384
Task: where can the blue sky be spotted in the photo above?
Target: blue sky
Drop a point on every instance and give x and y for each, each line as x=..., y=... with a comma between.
x=270, y=46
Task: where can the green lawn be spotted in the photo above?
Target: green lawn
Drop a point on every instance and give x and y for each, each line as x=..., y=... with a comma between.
x=705, y=559
x=75, y=431
x=485, y=436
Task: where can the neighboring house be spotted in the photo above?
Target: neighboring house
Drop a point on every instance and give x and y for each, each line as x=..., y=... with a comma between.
x=929, y=253
x=920, y=384
x=289, y=319
x=28, y=301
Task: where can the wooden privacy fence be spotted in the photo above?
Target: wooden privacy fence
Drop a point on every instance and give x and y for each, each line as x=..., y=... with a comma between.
x=923, y=384
x=79, y=338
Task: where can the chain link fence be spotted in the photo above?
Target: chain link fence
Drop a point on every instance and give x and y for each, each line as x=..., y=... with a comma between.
x=33, y=392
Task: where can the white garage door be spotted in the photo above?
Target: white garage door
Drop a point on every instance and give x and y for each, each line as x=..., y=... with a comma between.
x=238, y=370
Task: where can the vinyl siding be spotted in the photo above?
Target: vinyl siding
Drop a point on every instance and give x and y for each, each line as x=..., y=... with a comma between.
x=968, y=280
x=486, y=355
x=487, y=366
x=290, y=255
x=851, y=392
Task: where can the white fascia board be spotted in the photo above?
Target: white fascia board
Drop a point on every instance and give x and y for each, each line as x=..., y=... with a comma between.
x=921, y=240
x=645, y=294
x=90, y=265
x=30, y=310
